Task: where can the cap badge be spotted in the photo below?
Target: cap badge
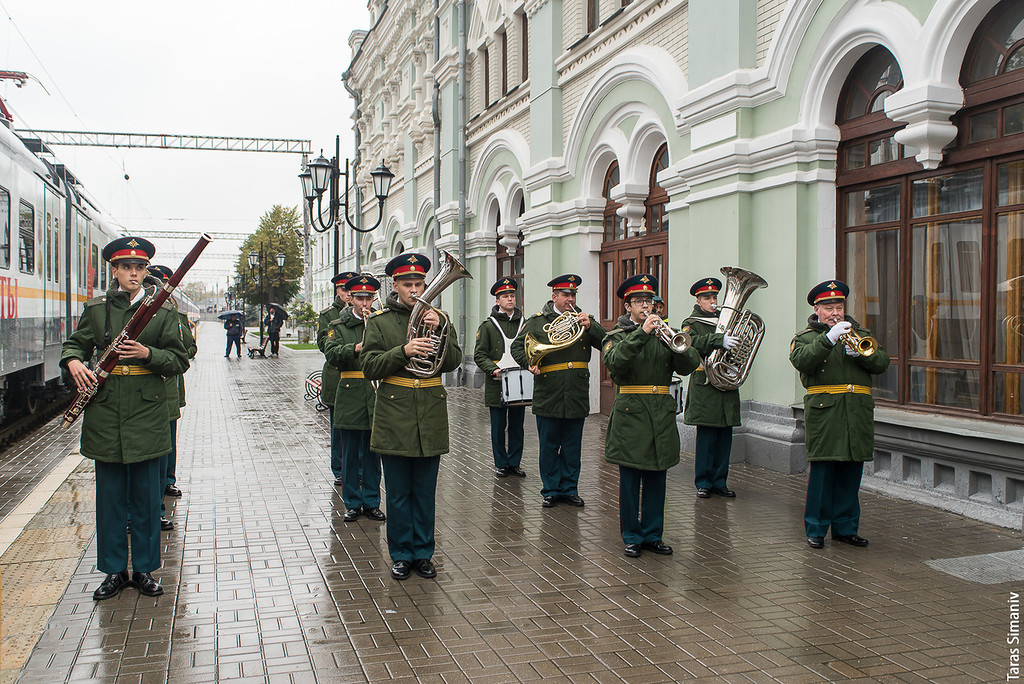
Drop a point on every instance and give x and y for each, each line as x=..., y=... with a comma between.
x=132, y=243
x=645, y=279
x=412, y=259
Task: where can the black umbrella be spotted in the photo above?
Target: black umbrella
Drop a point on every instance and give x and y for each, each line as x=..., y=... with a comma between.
x=284, y=312
x=224, y=315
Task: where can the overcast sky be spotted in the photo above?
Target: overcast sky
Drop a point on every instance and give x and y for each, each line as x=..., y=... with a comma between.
x=258, y=68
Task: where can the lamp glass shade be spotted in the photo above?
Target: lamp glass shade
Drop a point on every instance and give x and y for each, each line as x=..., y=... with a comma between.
x=306, y=178
x=320, y=169
x=253, y=258
x=382, y=178
x=280, y=259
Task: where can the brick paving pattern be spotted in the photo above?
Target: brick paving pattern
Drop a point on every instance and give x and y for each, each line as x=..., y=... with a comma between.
x=265, y=582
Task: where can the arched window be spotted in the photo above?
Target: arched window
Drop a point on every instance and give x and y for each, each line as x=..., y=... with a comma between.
x=399, y=248
x=614, y=225
x=935, y=259
x=657, y=198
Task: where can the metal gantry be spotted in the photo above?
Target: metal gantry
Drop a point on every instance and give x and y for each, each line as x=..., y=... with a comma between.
x=168, y=141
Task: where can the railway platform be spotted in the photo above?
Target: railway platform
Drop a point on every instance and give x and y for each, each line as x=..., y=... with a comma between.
x=265, y=582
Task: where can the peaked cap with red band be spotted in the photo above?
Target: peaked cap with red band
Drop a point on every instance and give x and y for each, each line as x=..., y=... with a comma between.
x=362, y=284
x=408, y=265
x=126, y=250
x=568, y=281
x=504, y=285
x=161, y=272
x=343, y=277
x=640, y=284
x=827, y=291
x=707, y=286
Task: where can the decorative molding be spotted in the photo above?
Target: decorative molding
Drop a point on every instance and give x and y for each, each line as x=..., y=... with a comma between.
x=926, y=110
x=534, y=6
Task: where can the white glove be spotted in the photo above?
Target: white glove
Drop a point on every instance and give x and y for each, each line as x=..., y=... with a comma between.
x=729, y=341
x=851, y=352
x=840, y=328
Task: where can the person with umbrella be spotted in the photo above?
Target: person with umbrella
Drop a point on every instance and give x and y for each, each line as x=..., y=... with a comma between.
x=233, y=325
x=274, y=321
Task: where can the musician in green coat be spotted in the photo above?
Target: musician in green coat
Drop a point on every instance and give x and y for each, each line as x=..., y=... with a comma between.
x=642, y=437
x=561, y=389
x=492, y=354
x=353, y=404
x=838, y=413
x=329, y=375
x=715, y=412
x=410, y=418
x=124, y=429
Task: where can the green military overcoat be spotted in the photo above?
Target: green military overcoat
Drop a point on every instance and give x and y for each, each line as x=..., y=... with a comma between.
x=706, y=404
x=191, y=348
x=490, y=347
x=642, y=430
x=126, y=422
x=838, y=427
x=354, y=398
x=407, y=421
x=564, y=393
x=329, y=374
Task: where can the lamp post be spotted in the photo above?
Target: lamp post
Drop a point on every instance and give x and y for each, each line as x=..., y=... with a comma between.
x=258, y=273
x=323, y=176
x=240, y=294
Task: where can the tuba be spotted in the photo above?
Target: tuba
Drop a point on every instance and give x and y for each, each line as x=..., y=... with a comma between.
x=425, y=366
x=727, y=369
x=562, y=332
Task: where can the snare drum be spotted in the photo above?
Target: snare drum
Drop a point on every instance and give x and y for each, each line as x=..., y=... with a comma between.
x=675, y=390
x=516, y=387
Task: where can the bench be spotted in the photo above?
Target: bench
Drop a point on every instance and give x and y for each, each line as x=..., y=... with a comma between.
x=313, y=384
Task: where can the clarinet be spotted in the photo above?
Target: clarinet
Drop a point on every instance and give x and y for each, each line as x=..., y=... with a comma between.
x=143, y=315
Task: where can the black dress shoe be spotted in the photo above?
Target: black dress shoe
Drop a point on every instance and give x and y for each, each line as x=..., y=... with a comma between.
x=850, y=539
x=338, y=482
x=703, y=493
x=723, y=491
x=549, y=502
x=632, y=550
x=501, y=472
x=659, y=547
x=401, y=570
x=424, y=568
x=574, y=500
x=816, y=542
x=516, y=470
x=171, y=490
x=351, y=515
x=165, y=524
x=111, y=585
x=375, y=514
x=146, y=584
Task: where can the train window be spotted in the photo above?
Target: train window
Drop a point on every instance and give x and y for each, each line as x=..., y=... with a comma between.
x=96, y=266
x=5, y=228
x=26, y=237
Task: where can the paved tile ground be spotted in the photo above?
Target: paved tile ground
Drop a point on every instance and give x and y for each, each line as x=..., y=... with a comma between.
x=266, y=583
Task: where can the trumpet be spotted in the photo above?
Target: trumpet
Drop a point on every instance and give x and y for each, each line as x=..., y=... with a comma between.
x=865, y=345
x=677, y=341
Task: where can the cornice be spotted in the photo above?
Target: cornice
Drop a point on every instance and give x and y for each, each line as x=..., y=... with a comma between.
x=534, y=6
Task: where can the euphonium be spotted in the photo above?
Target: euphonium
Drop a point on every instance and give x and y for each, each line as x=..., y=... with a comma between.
x=728, y=369
x=561, y=332
x=425, y=366
x=865, y=346
x=677, y=341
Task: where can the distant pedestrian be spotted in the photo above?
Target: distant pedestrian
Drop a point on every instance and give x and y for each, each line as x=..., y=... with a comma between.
x=274, y=322
x=233, y=326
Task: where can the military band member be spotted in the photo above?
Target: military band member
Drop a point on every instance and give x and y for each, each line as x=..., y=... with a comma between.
x=329, y=374
x=492, y=354
x=353, y=404
x=715, y=412
x=561, y=392
x=410, y=418
x=642, y=437
x=838, y=414
x=124, y=429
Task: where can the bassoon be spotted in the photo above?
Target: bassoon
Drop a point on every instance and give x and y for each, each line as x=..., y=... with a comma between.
x=143, y=315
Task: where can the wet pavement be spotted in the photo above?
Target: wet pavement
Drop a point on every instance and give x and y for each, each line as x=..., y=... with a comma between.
x=266, y=583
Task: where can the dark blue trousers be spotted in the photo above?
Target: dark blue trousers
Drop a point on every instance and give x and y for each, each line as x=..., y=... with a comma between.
x=172, y=458
x=510, y=417
x=410, y=491
x=337, y=449
x=712, y=451
x=235, y=340
x=832, y=500
x=641, y=504
x=124, y=491
x=361, y=488
x=560, y=446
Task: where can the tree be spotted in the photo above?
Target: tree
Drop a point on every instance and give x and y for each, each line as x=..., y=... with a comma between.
x=276, y=232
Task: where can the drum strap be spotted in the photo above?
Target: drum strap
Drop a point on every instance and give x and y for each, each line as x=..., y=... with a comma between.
x=506, y=360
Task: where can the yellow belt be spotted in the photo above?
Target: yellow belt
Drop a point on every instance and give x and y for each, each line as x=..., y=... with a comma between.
x=643, y=389
x=409, y=382
x=351, y=374
x=582, y=365
x=839, y=389
x=130, y=370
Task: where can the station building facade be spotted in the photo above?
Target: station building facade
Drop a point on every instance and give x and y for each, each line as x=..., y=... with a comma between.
x=877, y=141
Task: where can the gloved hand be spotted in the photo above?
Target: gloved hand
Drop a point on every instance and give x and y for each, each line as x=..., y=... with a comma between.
x=840, y=328
x=729, y=341
x=851, y=352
